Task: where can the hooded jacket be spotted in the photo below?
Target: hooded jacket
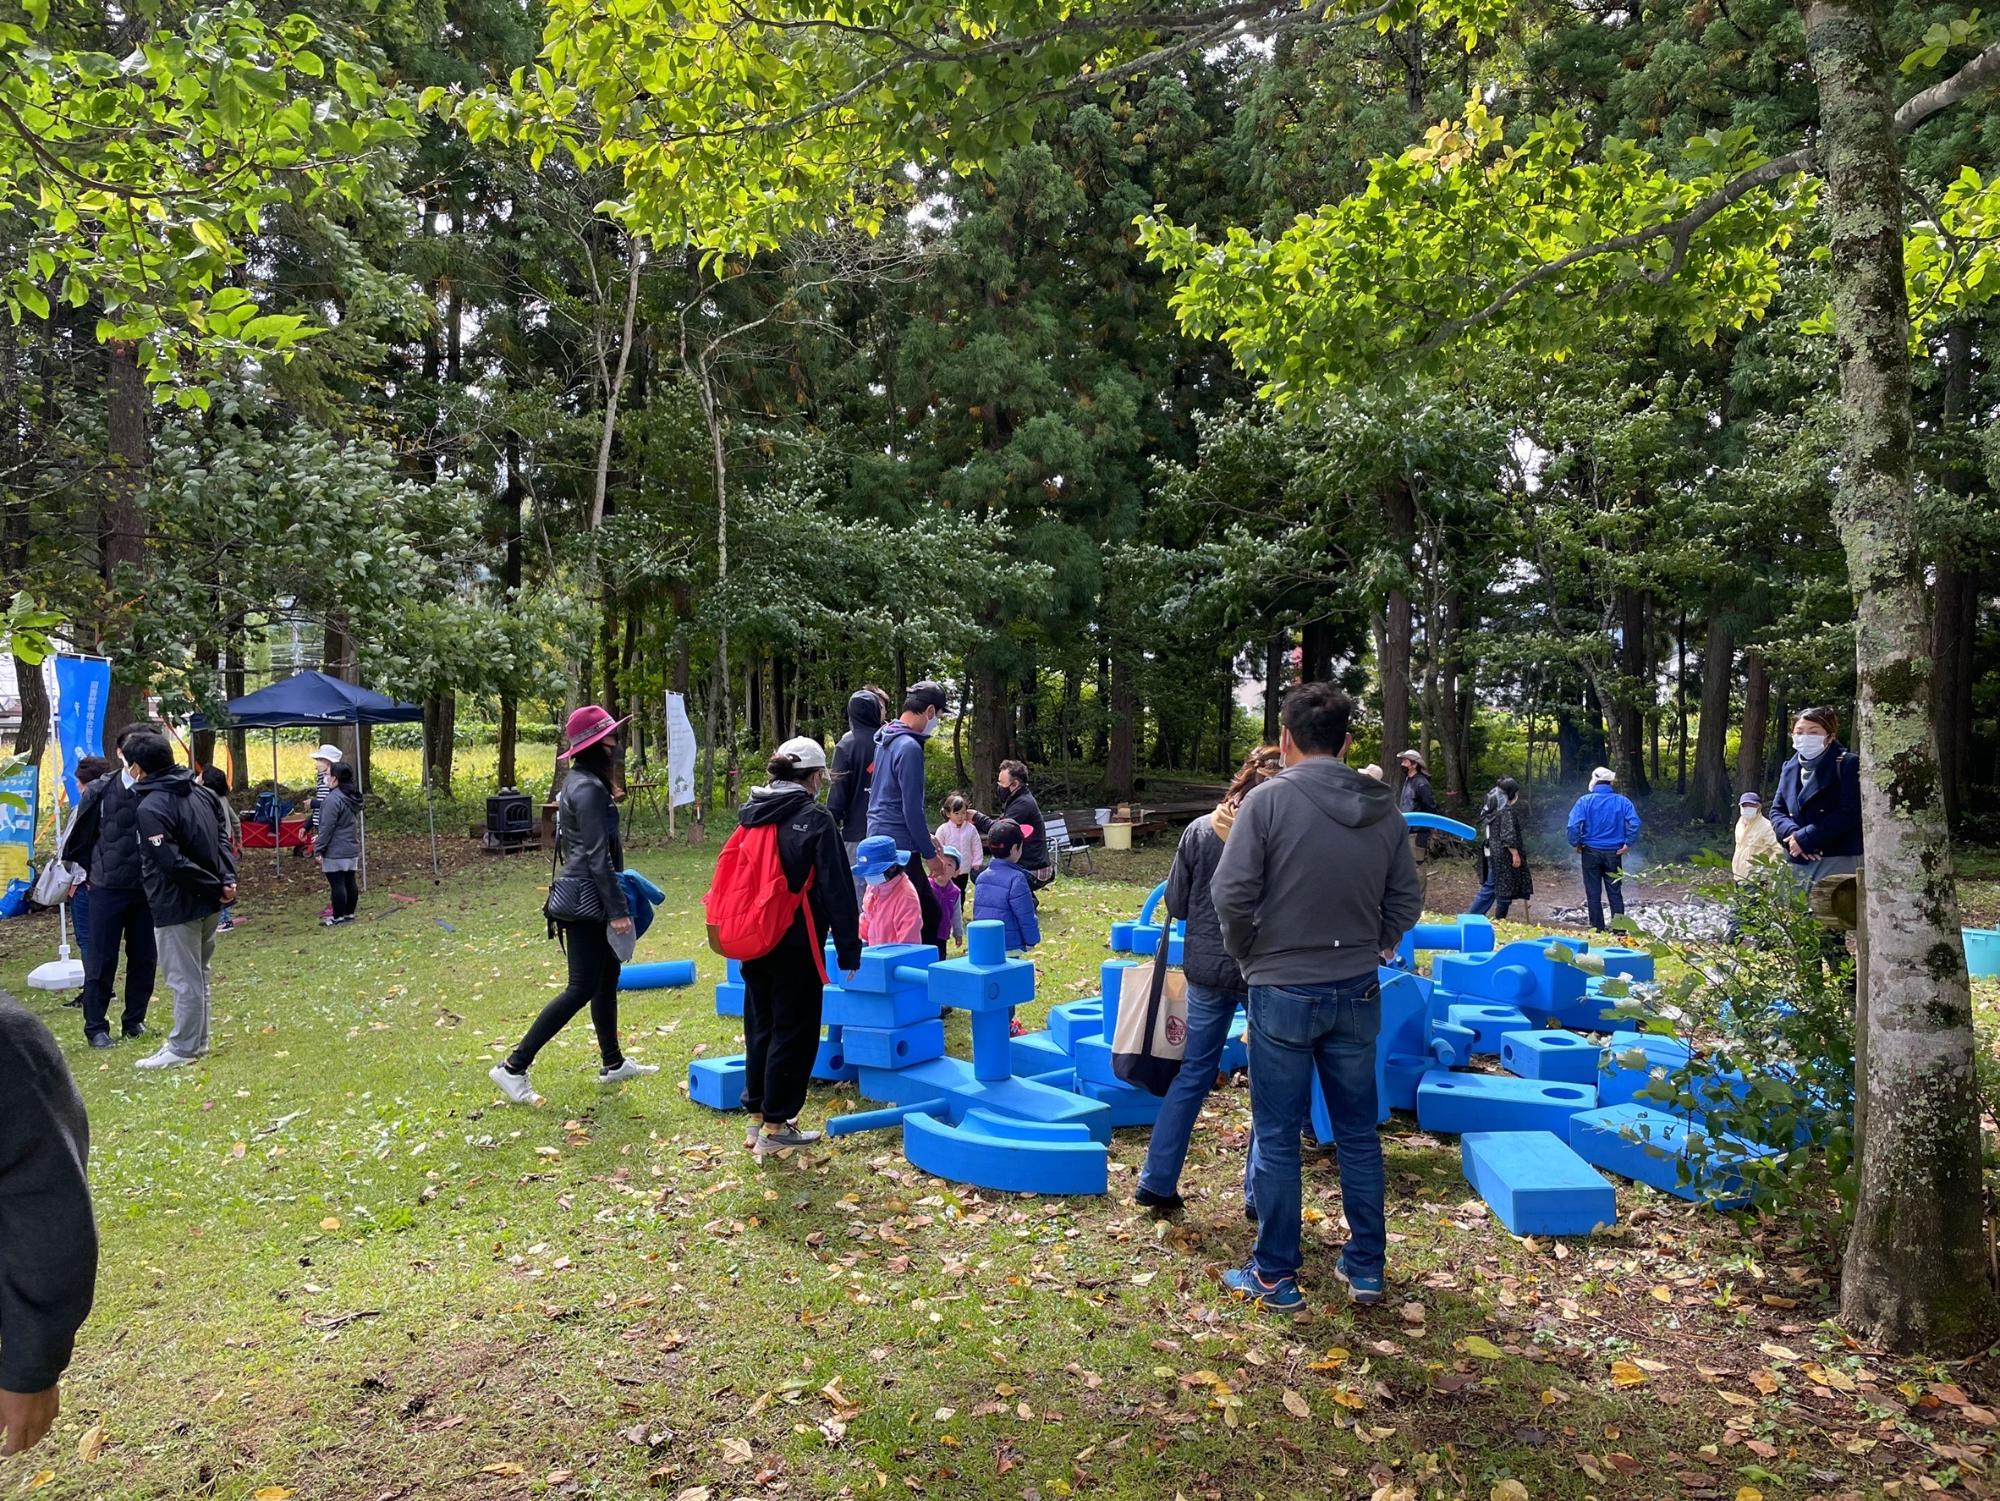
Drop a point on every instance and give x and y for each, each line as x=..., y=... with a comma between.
x=1316, y=879
x=809, y=841
x=896, y=804
x=185, y=854
x=854, y=767
x=1205, y=961
x=104, y=836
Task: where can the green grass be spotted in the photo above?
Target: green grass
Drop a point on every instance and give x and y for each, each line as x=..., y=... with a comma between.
x=334, y=1264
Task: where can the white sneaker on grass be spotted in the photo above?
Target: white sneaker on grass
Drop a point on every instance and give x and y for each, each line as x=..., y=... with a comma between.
x=515, y=1086
x=626, y=1070
x=784, y=1139
x=165, y=1058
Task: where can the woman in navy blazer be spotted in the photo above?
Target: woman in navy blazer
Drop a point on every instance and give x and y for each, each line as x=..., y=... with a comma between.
x=1817, y=812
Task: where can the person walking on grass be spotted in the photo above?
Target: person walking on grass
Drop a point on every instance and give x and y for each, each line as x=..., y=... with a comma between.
x=190, y=877
x=89, y=771
x=1416, y=796
x=1316, y=886
x=586, y=909
x=1602, y=826
x=1503, y=853
x=104, y=839
x=216, y=780
x=784, y=991
x=48, y=1237
x=897, y=808
x=1215, y=989
x=337, y=844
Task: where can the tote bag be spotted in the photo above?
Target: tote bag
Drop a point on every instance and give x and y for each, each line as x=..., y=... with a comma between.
x=1151, y=1039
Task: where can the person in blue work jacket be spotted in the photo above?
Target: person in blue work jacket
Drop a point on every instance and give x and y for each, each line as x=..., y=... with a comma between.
x=1602, y=826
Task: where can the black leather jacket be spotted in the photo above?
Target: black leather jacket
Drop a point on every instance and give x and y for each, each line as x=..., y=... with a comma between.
x=589, y=853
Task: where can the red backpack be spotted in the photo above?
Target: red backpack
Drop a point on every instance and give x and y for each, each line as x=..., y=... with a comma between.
x=750, y=903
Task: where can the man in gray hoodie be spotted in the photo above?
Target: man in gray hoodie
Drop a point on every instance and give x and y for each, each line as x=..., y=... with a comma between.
x=1315, y=888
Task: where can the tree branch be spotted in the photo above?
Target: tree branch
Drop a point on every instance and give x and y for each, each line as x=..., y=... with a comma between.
x=1981, y=71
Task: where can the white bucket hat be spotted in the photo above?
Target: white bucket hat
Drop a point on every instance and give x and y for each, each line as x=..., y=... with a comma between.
x=329, y=754
x=1603, y=774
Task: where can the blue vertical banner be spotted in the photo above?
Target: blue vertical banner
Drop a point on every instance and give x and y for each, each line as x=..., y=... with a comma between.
x=82, y=685
x=18, y=802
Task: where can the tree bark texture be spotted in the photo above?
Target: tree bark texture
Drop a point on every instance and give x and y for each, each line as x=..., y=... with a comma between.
x=123, y=530
x=1399, y=517
x=1955, y=605
x=1756, y=723
x=1629, y=714
x=1914, y=1274
x=992, y=727
x=1711, y=747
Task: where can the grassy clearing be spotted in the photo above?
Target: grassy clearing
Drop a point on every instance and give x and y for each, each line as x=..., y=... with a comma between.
x=335, y=1265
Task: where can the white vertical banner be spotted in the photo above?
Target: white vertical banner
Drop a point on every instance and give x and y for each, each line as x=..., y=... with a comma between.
x=682, y=749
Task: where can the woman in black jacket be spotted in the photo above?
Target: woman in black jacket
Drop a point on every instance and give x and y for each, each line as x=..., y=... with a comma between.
x=1215, y=988
x=587, y=906
x=783, y=992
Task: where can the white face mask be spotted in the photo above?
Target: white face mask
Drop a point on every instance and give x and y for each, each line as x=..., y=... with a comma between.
x=1809, y=746
x=930, y=729
x=877, y=879
x=1751, y=815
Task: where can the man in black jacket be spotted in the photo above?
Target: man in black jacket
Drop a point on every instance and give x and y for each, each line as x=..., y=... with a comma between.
x=854, y=769
x=104, y=839
x=48, y=1240
x=190, y=878
x=1018, y=803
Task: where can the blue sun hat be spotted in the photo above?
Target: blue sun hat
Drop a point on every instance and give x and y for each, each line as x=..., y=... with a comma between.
x=877, y=855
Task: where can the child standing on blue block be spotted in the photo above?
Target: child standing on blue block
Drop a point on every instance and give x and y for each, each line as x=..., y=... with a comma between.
x=1215, y=988
x=783, y=992
x=1005, y=894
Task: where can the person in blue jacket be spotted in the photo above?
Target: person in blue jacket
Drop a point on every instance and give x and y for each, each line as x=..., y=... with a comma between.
x=897, y=806
x=1602, y=826
x=1817, y=812
x=1002, y=893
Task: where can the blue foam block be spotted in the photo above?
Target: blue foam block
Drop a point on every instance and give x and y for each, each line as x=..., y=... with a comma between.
x=729, y=998
x=831, y=1064
x=1145, y=938
x=1452, y=1044
x=1092, y=1056
x=717, y=1082
x=964, y=1153
x=1121, y=937
x=894, y=1047
x=952, y=1081
x=1536, y=1184
x=1322, y=1122
x=1517, y=974
x=1656, y=1151
x=1495, y=1102
x=841, y=1007
x=1401, y=1076
x=1037, y=1053
x=1110, y=990
x=1567, y=1057
x=1466, y=935
x=1074, y=1019
x=1626, y=1064
x=972, y=986
x=1489, y=1023
x=1128, y=1106
x=1236, y=1048
x=732, y=971
x=879, y=963
x=657, y=974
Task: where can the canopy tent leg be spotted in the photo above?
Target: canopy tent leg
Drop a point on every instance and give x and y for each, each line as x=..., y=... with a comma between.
x=277, y=813
x=430, y=805
x=361, y=802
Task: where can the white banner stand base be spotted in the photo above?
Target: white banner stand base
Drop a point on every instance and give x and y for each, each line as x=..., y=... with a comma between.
x=58, y=974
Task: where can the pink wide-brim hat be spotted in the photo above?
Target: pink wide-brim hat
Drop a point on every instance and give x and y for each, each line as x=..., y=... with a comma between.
x=587, y=726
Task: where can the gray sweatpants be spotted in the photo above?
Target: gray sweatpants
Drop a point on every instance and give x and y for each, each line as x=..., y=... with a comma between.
x=186, y=950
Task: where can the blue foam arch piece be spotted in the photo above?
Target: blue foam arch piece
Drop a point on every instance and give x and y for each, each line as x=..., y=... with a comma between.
x=1151, y=905
x=657, y=974
x=1458, y=1103
x=1568, y=1057
x=1002, y=1164
x=1442, y=824
x=1656, y=1151
x=952, y=1080
x=1536, y=1184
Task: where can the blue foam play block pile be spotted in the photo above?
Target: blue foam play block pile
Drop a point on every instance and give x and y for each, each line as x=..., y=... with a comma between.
x=1536, y=1184
x=1652, y=1146
x=830, y=1063
x=1627, y=1061
x=1488, y=1023
x=717, y=1082
x=1566, y=1057
x=1495, y=1102
x=841, y=1007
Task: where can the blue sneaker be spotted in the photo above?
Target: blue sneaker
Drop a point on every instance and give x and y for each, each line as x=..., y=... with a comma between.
x=1364, y=1290
x=1280, y=1294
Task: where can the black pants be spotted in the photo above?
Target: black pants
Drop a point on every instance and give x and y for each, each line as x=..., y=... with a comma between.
x=1603, y=872
x=593, y=982
x=927, y=904
x=118, y=916
x=343, y=892
x=782, y=995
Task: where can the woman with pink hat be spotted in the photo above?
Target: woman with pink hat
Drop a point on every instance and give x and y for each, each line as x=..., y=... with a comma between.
x=586, y=906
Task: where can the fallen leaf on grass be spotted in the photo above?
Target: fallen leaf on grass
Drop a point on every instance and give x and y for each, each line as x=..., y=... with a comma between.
x=91, y=1444
x=329, y=1223
x=1840, y=1381
x=693, y=1493
x=735, y=1451
x=1296, y=1405
x=1765, y=1382
x=1624, y=1373
x=559, y=1477
x=504, y=1467
x=1510, y=1490
x=270, y=1493
x=1748, y=1493
x=39, y=1479
x=1480, y=1346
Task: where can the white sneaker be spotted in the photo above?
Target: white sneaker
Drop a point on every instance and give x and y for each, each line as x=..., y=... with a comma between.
x=165, y=1058
x=784, y=1139
x=626, y=1070
x=515, y=1086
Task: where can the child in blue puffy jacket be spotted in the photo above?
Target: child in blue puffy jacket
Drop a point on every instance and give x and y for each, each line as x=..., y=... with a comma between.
x=1002, y=893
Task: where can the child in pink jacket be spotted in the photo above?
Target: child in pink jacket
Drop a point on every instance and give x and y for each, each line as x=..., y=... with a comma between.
x=890, y=912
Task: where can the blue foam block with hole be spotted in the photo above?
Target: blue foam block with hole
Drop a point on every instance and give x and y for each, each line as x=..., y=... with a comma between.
x=1092, y=1056
x=1110, y=990
x=1451, y=1044
x=894, y=1047
x=1128, y=1106
x=1400, y=1077
x=1535, y=1183
x=1568, y=1057
x=972, y=1151
x=1625, y=1064
x=1469, y=934
x=729, y=998
x=876, y=974
x=972, y=985
x=831, y=1064
x=1653, y=1146
x=1074, y=1019
x=717, y=1082
x=1037, y=1053
x=1519, y=974
x=841, y=1007
x=1458, y=1103
x=1489, y=1023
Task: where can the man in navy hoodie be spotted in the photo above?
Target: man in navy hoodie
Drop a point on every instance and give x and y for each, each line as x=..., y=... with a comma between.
x=897, y=805
x=854, y=769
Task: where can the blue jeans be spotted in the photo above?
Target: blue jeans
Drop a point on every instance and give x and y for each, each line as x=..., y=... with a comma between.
x=1603, y=875
x=1211, y=1013
x=1482, y=901
x=1294, y=1030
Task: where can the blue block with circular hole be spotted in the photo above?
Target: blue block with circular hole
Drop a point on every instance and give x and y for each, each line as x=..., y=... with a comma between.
x=894, y=1047
x=717, y=1082
x=1568, y=1057
x=1457, y=1103
x=1488, y=1023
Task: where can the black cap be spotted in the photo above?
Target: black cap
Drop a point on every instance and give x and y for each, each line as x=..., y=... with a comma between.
x=922, y=696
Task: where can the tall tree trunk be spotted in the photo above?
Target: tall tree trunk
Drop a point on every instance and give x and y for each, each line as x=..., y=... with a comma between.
x=992, y=728
x=1914, y=1275
x=440, y=738
x=1756, y=722
x=1453, y=724
x=1120, y=764
x=512, y=498
x=337, y=661
x=1629, y=706
x=1681, y=705
x=1225, y=718
x=31, y=737
x=1100, y=744
x=1277, y=651
x=1711, y=749
x=1955, y=604
x=1392, y=641
x=123, y=531
x=232, y=687
x=1316, y=651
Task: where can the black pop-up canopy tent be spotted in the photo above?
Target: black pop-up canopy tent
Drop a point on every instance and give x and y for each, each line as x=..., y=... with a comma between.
x=308, y=699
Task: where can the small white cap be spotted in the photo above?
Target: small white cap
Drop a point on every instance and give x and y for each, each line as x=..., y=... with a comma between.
x=329, y=754
x=804, y=752
x=1603, y=774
